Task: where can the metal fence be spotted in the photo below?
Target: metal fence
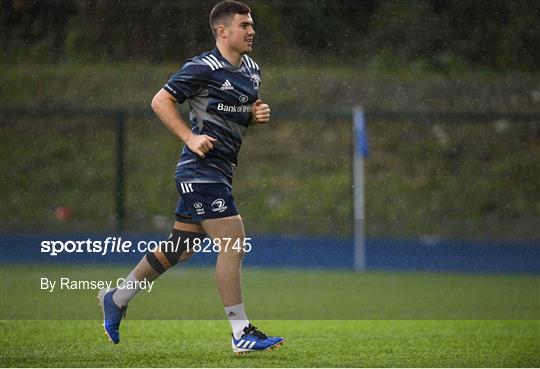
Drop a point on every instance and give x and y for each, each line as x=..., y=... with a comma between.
x=119, y=117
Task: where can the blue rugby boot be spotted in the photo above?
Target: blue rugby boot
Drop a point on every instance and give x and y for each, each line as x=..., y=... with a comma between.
x=112, y=314
x=255, y=340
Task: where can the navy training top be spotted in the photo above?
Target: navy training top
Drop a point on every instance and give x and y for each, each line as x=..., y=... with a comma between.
x=220, y=98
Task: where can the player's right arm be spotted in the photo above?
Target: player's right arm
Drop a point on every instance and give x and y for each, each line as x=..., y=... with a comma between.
x=164, y=105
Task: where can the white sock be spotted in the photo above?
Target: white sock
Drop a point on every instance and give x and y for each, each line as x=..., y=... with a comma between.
x=237, y=318
x=124, y=294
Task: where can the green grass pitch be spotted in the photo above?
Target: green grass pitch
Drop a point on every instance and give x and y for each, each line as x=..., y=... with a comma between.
x=329, y=319
x=309, y=344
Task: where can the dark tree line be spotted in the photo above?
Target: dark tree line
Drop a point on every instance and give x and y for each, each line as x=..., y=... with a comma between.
x=496, y=34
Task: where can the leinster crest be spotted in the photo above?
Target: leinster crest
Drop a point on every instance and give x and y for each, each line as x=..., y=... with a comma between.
x=256, y=81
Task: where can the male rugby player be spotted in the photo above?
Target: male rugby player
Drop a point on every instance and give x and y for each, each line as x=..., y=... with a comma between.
x=222, y=88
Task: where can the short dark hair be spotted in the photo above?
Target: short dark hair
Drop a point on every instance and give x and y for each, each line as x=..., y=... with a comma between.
x=224, y=11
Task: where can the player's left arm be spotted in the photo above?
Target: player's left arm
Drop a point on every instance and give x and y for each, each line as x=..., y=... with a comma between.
x=260, y=112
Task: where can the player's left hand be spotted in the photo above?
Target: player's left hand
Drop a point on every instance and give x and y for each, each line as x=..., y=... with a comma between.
x=260, y=112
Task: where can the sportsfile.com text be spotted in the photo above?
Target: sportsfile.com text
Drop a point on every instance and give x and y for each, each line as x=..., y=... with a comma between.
x=117, y=245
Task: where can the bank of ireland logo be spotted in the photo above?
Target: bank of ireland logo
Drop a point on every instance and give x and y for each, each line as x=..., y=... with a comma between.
x=199, y=208
x=219, y=206
x=243, y=99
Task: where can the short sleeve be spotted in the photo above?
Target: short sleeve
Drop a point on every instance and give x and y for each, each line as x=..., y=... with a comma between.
x=186, y=82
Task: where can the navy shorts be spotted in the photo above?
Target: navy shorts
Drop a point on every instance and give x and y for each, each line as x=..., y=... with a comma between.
x=200, y=201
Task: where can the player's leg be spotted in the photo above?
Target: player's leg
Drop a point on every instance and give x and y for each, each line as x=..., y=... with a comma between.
x=229, y=261
x=114, y=302
x=229, y=231
x=154, y=264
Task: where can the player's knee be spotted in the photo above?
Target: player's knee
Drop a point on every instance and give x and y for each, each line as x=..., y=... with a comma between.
x=233, y=253
x=173, y=250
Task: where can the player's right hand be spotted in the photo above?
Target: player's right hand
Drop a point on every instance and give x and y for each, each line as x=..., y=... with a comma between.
x=200, y=144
